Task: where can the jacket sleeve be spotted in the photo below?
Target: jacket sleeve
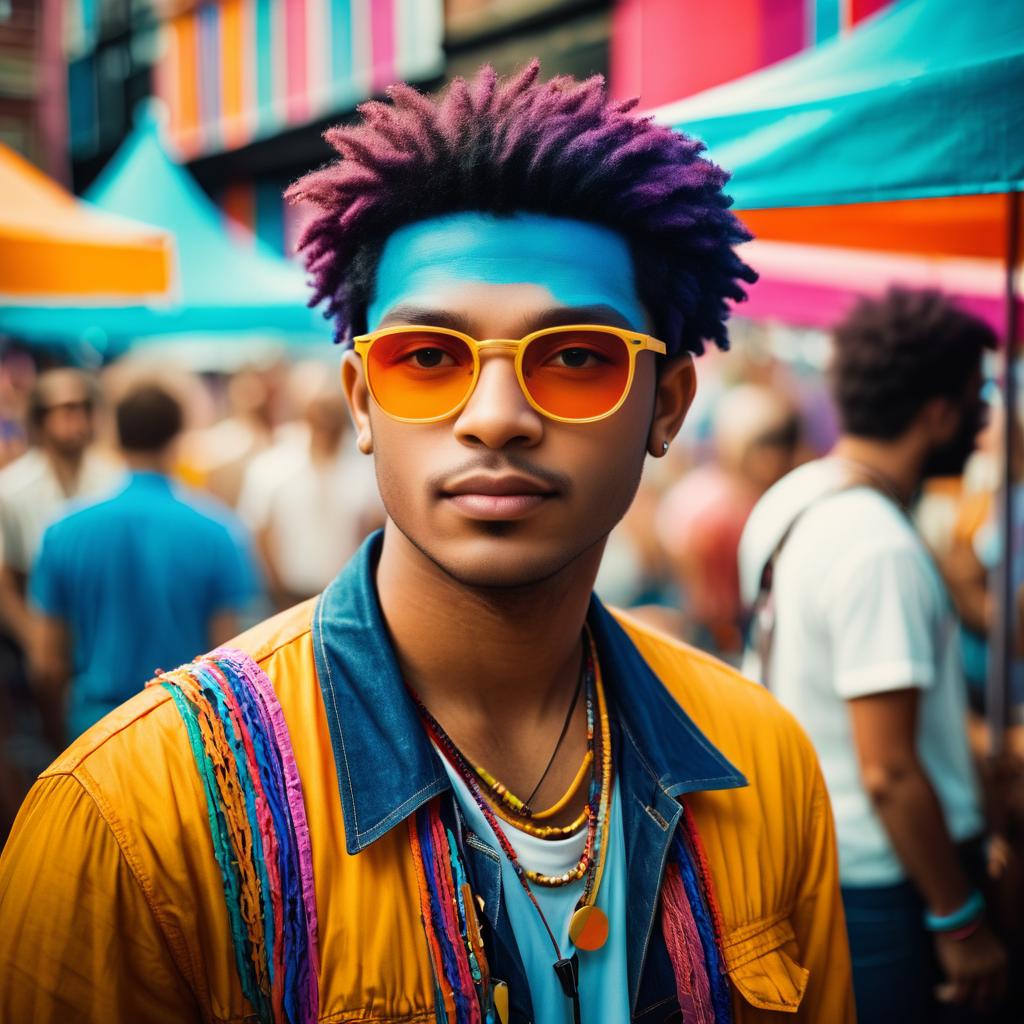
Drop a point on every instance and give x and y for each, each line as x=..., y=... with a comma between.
x=79, y=941
x=819, y=922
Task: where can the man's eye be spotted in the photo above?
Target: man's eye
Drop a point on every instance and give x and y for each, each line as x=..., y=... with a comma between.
x=575, y=358
x=430, y=358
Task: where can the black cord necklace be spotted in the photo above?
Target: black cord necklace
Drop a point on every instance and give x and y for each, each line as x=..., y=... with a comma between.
x=562, y=734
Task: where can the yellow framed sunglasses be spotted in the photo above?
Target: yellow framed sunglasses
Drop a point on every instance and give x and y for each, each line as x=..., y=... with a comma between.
x=575, y=374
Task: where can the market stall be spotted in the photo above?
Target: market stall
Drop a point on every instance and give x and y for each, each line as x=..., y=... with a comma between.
x=226, y=291
x=894, y=153
x=55, y=248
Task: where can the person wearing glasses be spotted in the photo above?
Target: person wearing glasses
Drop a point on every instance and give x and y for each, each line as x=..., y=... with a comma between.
x=62, y=465
x=455, y=787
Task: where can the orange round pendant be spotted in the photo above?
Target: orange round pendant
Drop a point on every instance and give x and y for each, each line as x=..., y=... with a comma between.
x=588, y=928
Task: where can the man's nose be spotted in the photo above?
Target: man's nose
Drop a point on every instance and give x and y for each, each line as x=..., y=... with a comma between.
x=497, y=413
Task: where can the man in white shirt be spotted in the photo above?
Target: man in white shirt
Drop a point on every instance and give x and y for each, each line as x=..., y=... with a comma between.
x=858, y=639
x=310, y=500
x=60, y=465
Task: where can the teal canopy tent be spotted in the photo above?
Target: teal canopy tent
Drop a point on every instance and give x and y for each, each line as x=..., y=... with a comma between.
x=224, y=289
x=924, y=99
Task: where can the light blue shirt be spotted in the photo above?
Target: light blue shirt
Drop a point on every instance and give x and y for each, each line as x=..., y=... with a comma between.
x=604, y=989
x=137, y=577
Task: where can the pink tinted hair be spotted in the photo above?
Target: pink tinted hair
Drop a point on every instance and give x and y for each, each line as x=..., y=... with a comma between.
x=502, y=146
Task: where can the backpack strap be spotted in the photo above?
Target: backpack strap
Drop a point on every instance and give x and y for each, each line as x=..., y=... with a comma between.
x=763, y=613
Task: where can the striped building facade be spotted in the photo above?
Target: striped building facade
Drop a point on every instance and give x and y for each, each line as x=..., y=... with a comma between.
x=237, y=71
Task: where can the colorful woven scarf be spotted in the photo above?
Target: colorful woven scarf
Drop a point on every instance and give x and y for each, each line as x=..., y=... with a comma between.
x=243, y=752
x=692, y=927
x=690, y=922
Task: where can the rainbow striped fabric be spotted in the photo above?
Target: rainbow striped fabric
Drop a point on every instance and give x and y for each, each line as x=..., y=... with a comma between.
x=244, y=756
x=690, y=923
x=236, y=71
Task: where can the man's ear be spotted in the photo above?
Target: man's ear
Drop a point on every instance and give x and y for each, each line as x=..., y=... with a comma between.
x=677, y=384
x=941, y=419
x=353, y=383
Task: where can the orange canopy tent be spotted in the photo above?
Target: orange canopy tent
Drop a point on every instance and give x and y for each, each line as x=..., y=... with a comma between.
x=816, y=261
x=55, y=247
x=968, y=226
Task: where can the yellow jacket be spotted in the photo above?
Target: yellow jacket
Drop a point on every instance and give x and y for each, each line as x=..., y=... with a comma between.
x=112, y=905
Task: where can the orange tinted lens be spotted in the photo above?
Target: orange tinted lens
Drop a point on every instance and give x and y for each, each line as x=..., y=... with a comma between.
x=419, y=375
x=576, y=374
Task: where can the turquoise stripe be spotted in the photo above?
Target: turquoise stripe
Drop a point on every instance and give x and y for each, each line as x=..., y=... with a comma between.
x=264, y=59
x=343, y=88
x=221, y=847
x=825, y=18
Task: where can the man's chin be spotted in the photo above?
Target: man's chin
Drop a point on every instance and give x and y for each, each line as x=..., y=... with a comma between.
x=500, y=558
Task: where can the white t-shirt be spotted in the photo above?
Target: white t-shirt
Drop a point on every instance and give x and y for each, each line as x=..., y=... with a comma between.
x=31, y=497
x=316, y=514
x=860, y=609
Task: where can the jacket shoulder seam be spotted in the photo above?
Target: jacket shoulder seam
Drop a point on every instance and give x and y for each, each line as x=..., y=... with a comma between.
x=261, y=656
x=70, y=765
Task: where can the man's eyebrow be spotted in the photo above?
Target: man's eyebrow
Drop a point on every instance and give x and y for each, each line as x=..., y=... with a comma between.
x=563, y=316
x=424, y=316
x=556, y=316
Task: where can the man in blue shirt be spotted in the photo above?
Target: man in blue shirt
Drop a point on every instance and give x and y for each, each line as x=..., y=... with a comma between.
x=138, y=581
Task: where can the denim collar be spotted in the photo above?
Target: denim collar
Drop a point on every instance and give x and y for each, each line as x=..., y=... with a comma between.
x=386, y=765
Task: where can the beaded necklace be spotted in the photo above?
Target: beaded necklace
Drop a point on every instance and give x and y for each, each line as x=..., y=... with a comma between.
x=589, y=926
x=598, y=800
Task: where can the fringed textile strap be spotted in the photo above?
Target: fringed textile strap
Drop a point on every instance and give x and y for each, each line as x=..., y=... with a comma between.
x=692, y=927
x=243, y=752
x=457, y=956
x=690, y=921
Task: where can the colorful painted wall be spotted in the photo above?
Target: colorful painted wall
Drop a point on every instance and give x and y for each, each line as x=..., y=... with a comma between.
x=664, y=50
x=238, y=71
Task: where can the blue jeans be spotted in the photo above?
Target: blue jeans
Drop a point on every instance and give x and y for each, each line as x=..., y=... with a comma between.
x=895, y=970
x=891, y=954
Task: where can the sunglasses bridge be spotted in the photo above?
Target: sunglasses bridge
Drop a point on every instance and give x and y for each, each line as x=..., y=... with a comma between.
x=517, y=343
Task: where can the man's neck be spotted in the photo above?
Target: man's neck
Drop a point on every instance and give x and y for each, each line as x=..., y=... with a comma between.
x=896, y=464
x=497, y=667
x=67, y=469
x=145, y=462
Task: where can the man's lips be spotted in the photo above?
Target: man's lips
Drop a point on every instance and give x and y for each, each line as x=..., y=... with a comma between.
x=510, y=496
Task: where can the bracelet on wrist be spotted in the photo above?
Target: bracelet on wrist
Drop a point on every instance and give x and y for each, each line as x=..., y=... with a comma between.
x=968, y=913
x=963, y=933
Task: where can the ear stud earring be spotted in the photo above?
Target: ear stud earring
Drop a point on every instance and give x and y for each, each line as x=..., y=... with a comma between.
x=664, y=447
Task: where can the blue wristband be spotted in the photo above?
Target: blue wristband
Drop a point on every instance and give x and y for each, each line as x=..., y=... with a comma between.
x=970, y=911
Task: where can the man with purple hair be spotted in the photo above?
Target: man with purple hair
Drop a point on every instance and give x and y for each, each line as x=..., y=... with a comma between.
x=454, y=787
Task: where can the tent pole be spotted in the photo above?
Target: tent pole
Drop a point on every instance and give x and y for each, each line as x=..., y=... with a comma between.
x=1003, y=645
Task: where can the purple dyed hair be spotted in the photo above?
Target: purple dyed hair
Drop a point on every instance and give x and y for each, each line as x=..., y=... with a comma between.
x=502, y=146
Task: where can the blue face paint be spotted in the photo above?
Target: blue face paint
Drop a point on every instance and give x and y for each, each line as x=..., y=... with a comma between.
x=580, y=264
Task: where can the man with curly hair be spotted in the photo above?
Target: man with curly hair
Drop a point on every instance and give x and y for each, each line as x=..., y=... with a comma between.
x=861, y=644
x=455, y=787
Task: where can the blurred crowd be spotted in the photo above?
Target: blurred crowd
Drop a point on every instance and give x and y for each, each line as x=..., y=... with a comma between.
x=148, y=513
x=267, y=452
